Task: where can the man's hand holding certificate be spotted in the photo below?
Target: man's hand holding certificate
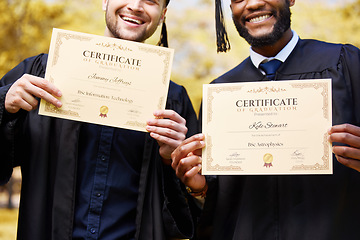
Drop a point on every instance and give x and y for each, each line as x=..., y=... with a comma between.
x=267, y=128
x=107, y=81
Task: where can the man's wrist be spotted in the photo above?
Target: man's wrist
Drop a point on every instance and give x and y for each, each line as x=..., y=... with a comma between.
x=201, y=193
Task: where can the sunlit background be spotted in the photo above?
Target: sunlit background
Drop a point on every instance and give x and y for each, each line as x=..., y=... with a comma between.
x=26, y=27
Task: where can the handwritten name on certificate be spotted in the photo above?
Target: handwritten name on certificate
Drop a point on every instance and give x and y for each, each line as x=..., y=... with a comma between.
x=265, y=128
x=107, y=81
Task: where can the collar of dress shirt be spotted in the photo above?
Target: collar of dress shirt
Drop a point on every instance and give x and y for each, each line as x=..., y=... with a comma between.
x=282, y=55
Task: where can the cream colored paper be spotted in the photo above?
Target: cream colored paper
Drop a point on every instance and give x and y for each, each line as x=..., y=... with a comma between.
x=260, y=128
x=107, y=81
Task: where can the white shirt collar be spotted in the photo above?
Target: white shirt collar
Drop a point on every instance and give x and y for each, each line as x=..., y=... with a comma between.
x=282, y=55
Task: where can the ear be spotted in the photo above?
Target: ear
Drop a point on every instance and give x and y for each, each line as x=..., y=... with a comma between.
x=104, y=4
x=292, y=2
x=162, y=15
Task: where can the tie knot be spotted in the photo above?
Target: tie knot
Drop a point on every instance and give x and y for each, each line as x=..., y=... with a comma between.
x=270, y=67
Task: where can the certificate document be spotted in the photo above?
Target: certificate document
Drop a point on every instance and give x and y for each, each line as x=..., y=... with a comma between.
x=105, y=80
x=264, y=128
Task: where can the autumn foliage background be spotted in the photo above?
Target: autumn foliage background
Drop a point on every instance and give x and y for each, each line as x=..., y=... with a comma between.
x=26, y=27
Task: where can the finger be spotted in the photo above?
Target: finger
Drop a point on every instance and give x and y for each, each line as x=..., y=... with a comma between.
x=23, y=92
x=166, y=127
x=44, y=85
x=191, y=176
x=28, y=102
x=193, y=144
x=351, y=163
x=15, y=100
x=43, y=89
x=193, y=171
x=347, y=152
x=186, y=164
x=345, y=128
x=174, y=143
x=346, y=138
x=167, y=133
x=196, y=137
x=170, y=114
x=197, y=152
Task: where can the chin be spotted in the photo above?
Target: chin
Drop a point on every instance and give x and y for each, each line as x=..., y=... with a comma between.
x=130, y=37
x=261, y=35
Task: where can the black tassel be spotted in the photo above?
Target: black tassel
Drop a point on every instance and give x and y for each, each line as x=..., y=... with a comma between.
x=222, y=39
x=163, y=42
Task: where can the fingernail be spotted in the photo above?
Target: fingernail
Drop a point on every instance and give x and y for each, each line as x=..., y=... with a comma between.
x=200, y=135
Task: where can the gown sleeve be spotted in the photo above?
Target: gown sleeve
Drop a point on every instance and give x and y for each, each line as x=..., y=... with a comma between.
x=350, y=62
x=180, y=211
x=10, y=124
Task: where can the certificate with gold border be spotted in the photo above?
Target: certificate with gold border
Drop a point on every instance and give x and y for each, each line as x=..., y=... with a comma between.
x=267, y=128
x=107, y=81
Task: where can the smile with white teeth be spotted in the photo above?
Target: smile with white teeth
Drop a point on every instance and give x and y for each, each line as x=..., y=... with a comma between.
x=259, y=19
x=132, y=20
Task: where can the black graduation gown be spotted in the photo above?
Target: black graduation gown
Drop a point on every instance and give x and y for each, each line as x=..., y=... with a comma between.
x=46, y=149
x=320, y=207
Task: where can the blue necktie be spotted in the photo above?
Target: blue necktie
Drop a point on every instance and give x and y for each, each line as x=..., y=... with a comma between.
x=270, y=68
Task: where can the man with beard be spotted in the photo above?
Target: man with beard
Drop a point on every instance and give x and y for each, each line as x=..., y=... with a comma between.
x=297, y=207
x=86, y=181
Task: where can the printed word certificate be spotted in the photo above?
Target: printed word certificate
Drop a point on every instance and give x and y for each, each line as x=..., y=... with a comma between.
x=107, y=81
x=264, y=128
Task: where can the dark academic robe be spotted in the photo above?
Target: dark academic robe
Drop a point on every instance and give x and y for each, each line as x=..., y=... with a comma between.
x=46, y=148
x=304, y=207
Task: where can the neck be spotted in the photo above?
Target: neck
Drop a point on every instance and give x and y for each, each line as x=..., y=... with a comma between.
x=272, y=50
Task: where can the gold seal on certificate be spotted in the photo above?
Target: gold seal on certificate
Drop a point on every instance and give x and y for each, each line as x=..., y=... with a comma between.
x=107, y=81
x=267, y=128
x=103, y=111
x=268, y=158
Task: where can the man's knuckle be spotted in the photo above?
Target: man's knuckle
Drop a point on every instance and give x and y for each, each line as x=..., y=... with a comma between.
x=168, y=131
x=172, y=124
x=15, y=101
x=343, y=137
x=41, y=94
x=172, y=113
x=20, y=84
x=43, y=83
x=185, y=130
x=182, y=163
x=345, y=151
x=181, y=149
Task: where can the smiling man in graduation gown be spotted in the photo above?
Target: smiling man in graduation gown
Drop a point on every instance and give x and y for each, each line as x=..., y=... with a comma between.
x=87, y=181
x=310, y=207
